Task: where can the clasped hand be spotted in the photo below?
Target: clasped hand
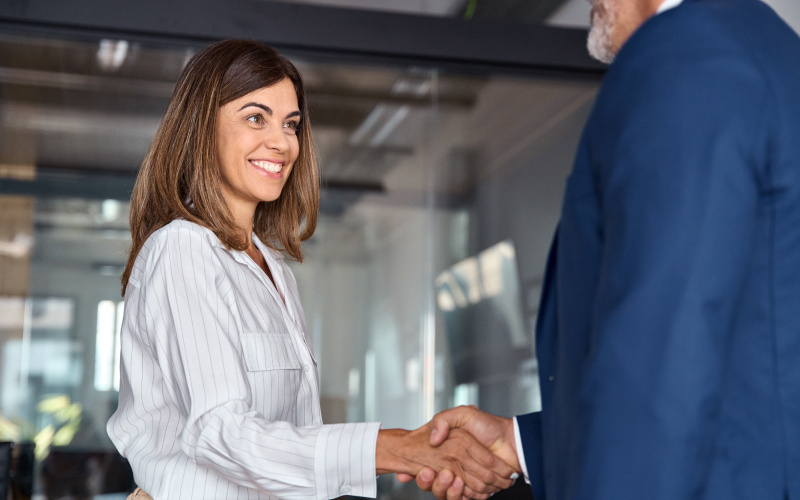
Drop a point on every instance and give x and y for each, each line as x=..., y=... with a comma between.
x=462, y=453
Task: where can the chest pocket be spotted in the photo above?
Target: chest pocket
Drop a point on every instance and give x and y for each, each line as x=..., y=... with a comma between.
x=275, y=374
x=268, y=351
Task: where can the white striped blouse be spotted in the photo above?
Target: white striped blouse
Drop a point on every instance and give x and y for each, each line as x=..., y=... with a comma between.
x=219, y=396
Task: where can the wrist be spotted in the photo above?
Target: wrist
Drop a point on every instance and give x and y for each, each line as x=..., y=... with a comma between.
x=506, y=447
x=388, y=459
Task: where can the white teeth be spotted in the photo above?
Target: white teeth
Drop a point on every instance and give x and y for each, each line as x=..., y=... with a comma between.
x=270, y=167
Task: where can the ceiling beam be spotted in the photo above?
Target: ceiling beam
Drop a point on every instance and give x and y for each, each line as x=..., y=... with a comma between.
x=314, y=30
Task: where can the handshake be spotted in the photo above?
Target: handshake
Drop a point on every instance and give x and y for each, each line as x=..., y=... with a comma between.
x=462, y=453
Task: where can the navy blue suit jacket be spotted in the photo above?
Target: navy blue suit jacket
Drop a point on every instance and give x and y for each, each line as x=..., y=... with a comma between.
x=669, y=329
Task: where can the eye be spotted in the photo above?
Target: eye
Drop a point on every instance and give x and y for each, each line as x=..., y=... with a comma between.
x=256, y=119
x=292, y=126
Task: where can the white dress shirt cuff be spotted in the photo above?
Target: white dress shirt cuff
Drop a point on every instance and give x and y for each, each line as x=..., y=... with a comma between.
x=345, y=460
x=520, y=452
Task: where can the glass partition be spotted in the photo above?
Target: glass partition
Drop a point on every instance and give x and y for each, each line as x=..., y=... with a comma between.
x=440, y=195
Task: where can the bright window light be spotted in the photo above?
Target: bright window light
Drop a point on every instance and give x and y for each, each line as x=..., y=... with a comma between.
x=106, y=364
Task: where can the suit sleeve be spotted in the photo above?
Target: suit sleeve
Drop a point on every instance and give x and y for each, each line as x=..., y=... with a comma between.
x=530, y=433
x=681, y=154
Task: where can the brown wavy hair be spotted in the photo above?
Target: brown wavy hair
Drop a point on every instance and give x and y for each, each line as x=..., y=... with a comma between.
x=180, y=178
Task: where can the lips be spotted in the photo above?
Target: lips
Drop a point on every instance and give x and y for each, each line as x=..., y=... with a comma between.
x=268, y=166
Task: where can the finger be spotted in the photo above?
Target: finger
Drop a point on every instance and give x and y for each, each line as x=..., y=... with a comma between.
x=493, y=432
x=484, y=472
x=490, y=461
x=425, y=478
x=473, y=495
x=404, y=478
x=444, y=480
x=478, y=483
x=475, y=482
x=483, y=481
x=456, y=490
x=496, y=474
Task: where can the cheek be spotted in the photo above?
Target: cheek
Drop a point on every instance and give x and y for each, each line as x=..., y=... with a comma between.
x=222, y=146
x=223, y=162
x=294, y=147
x=231, y=148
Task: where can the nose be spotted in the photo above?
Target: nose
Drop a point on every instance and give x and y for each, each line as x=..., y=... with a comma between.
x=275, y=138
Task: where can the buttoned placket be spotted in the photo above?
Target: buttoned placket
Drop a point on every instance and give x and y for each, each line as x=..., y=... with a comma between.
x=291, y=317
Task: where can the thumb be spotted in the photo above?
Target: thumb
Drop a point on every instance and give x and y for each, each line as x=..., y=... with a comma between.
x=444, y=421
x=440, y=428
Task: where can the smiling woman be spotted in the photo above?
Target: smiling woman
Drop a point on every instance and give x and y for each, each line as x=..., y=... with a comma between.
x=219, y=393
x=181, y=178
x=256, y=149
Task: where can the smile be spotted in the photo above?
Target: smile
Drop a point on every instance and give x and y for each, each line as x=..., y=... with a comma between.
x=268, y=166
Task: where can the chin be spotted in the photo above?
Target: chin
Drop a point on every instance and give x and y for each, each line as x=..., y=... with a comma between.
x=600, y=41
x=269, y=197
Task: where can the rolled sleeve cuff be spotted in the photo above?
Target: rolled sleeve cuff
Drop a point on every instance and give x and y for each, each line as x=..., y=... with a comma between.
x=344, y=460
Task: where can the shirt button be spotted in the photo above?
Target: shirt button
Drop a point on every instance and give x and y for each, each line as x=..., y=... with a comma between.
x=551, y=378
x=345, y=488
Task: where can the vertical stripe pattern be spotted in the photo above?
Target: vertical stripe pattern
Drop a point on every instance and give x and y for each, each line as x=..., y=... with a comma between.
x=219, y=396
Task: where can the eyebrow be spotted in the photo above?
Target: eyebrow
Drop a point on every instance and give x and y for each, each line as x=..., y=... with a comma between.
x=268, y=110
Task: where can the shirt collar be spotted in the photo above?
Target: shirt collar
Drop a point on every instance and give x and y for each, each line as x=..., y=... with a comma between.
x=668, y=4
x=266, y=249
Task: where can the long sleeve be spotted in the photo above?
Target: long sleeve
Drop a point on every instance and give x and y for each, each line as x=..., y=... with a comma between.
x=206, y=358
x=529, y=450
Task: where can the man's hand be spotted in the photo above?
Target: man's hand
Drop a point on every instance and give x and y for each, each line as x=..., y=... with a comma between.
x=493, y=432
x=479, y=471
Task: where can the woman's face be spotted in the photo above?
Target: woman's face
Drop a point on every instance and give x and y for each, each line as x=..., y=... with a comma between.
x=257, y=146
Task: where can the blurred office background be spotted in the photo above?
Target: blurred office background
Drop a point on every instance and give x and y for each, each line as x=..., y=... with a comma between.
x=446, y=129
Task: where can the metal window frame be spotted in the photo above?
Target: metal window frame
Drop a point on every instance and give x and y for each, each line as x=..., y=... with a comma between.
x=339, y=33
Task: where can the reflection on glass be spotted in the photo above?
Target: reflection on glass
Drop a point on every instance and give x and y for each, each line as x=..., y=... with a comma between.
x=480, y=299
x=423, y=170
x=62, y=417
x=490, y=276
x=38, y=361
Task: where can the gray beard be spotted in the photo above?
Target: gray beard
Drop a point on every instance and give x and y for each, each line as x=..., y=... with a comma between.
x=599, y=40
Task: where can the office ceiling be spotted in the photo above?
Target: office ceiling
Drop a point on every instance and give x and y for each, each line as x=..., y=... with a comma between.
x=83, y=111
x=71, y=105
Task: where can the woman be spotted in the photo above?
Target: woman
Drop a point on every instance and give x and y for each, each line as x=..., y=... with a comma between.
x=219, y=394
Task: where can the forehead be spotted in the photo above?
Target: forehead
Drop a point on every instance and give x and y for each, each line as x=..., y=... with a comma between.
x=279, y=95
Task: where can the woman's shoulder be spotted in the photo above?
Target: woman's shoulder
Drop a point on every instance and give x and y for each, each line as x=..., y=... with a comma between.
x=181, y=231
x=176, y=239
x=178, y=246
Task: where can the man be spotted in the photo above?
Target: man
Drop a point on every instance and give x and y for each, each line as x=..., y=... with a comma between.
x=669, y=329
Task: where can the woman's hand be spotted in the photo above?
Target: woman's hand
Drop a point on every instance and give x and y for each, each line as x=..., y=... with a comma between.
x=408, y=452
